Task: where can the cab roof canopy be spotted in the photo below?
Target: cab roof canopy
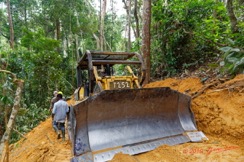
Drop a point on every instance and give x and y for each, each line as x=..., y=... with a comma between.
x=97, y=58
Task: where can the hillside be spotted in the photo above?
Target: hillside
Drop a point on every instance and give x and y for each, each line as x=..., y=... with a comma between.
x=218, y=106
x=41, y=144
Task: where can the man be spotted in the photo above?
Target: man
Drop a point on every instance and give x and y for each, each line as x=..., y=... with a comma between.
x=53, y=100
x=59, y=114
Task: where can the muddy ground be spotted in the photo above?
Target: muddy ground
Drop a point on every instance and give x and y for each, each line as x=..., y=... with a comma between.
x=218, y=106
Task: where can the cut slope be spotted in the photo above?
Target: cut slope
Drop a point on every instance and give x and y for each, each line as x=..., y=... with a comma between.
x=218, y=111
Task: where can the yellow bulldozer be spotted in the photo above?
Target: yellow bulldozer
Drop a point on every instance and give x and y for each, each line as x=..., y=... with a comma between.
x=112, y=113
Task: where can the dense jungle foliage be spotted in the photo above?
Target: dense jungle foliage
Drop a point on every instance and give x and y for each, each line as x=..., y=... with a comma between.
x=50, y=36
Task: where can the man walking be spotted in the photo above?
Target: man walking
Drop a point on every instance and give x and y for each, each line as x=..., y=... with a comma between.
x=59, y=113
x=53, y=100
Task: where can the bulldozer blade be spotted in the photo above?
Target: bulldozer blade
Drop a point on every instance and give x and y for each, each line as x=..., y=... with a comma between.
x=131, y=121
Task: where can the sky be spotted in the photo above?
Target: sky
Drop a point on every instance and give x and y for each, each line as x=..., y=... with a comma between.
x=118, y=6
x=2, y=5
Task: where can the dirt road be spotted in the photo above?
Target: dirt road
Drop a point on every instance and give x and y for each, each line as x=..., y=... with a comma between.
x=41, y=144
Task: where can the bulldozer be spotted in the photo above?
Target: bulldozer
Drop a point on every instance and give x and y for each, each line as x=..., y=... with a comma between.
x=111, y=112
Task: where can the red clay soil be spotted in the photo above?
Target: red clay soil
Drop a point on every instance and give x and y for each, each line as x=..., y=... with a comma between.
x=218, y=110
x=41, y=145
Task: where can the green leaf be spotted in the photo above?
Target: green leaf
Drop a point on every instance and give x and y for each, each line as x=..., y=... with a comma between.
x=226, y=49
x=239, y=65
x=22, y=111
x=6, y=100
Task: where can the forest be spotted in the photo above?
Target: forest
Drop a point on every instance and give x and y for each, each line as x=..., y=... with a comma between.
x=41, y=42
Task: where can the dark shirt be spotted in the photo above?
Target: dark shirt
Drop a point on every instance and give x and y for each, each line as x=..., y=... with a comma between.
x=54, y=99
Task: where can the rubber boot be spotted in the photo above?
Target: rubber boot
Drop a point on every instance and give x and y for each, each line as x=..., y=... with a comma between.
x=63, y=135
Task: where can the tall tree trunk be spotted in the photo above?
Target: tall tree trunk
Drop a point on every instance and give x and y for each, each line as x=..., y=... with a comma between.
x=233, y=20
x=97, y=40
x=5, y=138
x=25, y=14
x=79, y=51
x=11, y=27
x=57, y=29
x=100, y=27
x=57, y=25
x=137, y=33
x=146, y=38
x=129, y=26
x=102, y=14
x=128, y=11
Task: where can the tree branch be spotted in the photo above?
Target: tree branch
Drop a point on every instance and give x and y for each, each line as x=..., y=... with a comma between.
x=19, y=133
x=232, y=17
x=8, y=72
x=5, y=36
x=6, y=136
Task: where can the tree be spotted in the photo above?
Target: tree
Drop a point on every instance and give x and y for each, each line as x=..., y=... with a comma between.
x=4, y=144
x=128, y=11
x=233, y=20
x=137, y=31
x=11, y=28
x=35, y=58
x=103, y=7
x=146, y=38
